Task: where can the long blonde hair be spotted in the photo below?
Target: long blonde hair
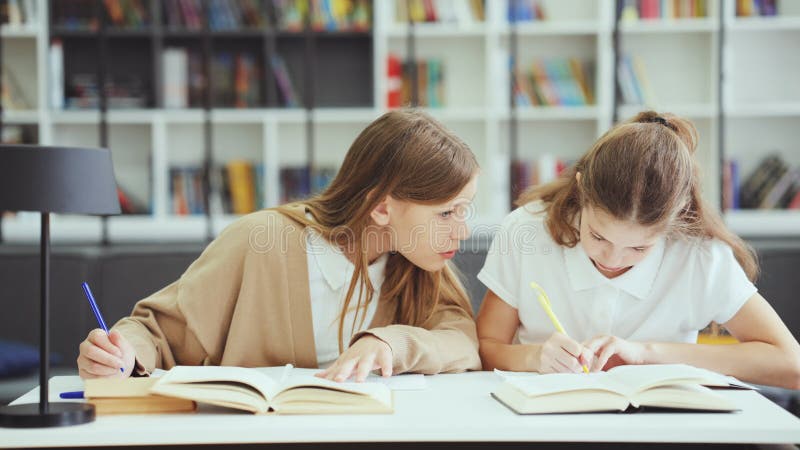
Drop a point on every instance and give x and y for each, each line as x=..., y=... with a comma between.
x=644, y=171
x=409, y=156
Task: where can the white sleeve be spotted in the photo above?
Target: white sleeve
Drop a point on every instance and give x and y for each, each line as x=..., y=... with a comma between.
x=727, y=287
x=501, y=269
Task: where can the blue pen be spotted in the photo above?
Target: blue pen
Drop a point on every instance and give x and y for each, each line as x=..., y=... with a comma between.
x=71, y=395
x=96, y=311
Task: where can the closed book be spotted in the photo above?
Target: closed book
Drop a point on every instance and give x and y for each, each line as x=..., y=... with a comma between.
x=242, y=186
x=131, y=396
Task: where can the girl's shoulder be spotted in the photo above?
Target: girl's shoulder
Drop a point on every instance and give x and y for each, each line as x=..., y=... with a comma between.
x=527, y=223
x=703, y=250
x=529, y=213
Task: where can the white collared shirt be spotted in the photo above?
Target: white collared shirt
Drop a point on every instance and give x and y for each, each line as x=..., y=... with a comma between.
x=677, y=289
x=329, y=273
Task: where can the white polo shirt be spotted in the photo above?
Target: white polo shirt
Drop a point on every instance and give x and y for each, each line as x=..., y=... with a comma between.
x=676, y=290
x=329, y=274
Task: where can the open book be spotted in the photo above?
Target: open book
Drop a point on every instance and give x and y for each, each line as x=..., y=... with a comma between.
x=658, y=386
x=264, y=391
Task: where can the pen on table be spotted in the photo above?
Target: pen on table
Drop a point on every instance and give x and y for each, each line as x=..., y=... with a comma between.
x=545, y=302
x=96, y=310
x=71, y=394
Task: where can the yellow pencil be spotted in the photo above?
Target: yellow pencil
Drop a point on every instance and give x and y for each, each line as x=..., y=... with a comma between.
x=545, y=302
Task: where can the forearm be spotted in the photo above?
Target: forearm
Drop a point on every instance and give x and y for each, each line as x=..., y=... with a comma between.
x=513, y=357
x=754, y=362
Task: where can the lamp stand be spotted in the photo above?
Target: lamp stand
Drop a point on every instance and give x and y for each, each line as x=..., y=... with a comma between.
x=45, y=414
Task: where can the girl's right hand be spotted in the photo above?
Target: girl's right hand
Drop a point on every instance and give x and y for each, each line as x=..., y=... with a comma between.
x=560, y=354
x=102, y=355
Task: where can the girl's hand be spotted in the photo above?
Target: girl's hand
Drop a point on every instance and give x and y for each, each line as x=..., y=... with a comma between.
x=611, y=351
x=103, y=355
x=365, y=355
x=560, y=353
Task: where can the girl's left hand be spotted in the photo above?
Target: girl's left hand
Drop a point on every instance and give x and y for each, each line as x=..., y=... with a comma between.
x=611, y=351
x=365, y=355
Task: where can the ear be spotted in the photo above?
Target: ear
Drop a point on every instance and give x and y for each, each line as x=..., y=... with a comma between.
x=578, y=177
x=380, y=213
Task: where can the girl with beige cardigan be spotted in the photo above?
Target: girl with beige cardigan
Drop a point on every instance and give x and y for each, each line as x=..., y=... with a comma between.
x=352, y=280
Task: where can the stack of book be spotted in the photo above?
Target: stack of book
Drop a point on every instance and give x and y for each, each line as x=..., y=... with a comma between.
x=554, y=82
x=124, y=91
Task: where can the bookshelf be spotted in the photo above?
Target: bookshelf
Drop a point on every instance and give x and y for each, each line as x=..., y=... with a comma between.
x=760, y=98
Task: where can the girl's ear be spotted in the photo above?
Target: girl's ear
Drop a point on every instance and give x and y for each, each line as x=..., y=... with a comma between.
x=380, y=213
x=578, y=177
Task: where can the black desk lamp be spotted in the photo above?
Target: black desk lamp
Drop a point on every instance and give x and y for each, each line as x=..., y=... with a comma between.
x=58, y=180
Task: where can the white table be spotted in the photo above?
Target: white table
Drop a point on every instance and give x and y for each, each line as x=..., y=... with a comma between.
x=453, y=408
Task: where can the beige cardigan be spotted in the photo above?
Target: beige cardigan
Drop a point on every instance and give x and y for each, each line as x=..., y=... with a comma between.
x=245, y=302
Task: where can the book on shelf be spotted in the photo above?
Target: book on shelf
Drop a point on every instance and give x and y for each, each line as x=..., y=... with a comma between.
x=13, y=96
x=634, y=10
x=254, y=390
x=659, y=387
x=770, y=185
x=127, y=13
x=175, y=77
x=283, y=79
x=18, y=13
x=325, y=15
x=430, y=79
x=56, y=74
x=525, y=11
x=125, y=91
x=183, y=79
x=753, y=8
x=527, y=173
x=554, y=82
x=19, y=134
x=459, y=12
x=129, y=204
x=633, y=82
x=131, y=396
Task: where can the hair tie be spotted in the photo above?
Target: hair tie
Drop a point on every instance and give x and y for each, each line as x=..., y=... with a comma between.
x=661, y=120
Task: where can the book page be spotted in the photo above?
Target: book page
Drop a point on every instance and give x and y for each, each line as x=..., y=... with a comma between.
x=404, y=382
x=551, y=383
x=650, y=375
x=224, y=375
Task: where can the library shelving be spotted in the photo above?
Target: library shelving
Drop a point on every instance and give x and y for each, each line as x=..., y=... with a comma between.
x=472, y=46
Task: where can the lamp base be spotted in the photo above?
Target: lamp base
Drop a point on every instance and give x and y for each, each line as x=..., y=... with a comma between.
x=60, y=414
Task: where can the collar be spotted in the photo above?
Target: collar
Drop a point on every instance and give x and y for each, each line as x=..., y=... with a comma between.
x=637, y=281
x=334, y=265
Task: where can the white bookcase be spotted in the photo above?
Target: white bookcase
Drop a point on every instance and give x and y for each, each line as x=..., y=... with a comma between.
x=761, y=97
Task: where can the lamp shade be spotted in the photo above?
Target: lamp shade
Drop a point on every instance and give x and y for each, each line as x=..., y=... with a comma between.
x=57, y=179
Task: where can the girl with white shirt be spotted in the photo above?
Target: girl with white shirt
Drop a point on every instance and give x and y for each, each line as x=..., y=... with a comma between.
x=351, y=280
x=634, y=262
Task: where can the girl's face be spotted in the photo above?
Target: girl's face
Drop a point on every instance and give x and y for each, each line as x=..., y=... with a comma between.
x=614, y=246
x=429, y=235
